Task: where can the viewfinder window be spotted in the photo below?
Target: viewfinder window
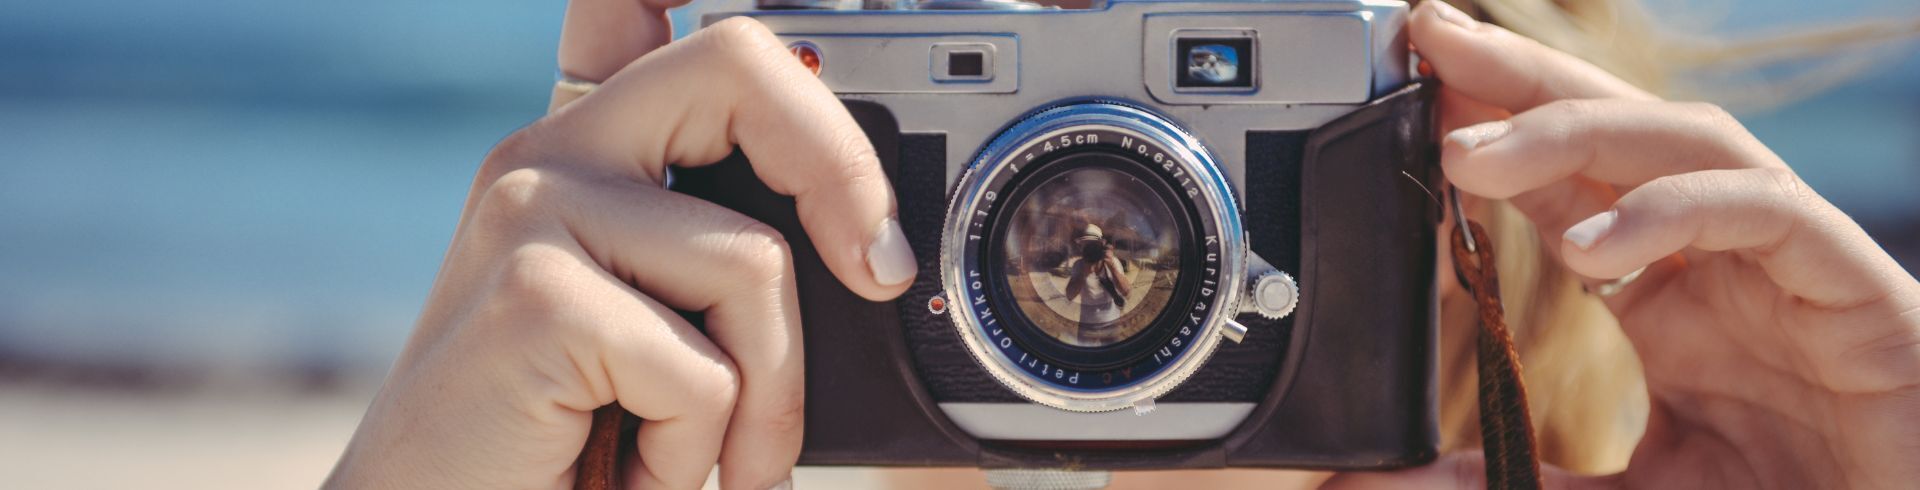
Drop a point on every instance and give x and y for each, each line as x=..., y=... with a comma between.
x=1214, y=64
x=966, y=63
x=962, y=62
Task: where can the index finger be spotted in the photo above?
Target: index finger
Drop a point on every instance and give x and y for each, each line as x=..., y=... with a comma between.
x=734, y=82
x=1496, y=66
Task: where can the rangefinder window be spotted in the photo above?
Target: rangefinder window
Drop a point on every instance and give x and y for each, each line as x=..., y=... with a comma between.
x=1214, y=63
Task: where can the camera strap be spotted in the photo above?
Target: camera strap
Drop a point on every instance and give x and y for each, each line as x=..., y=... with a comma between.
x=1506, y=431
x=599, y=465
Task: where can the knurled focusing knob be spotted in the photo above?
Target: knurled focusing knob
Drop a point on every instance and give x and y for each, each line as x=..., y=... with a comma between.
x=1275, y=294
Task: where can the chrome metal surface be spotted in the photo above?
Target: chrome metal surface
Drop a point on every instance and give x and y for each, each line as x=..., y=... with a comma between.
x=1028, y=479
x=1032, y=422
x=1310, y=77
x=1234, y=331
x=1274, y=295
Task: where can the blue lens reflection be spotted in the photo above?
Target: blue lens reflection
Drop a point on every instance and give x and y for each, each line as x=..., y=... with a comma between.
x=1214, y=63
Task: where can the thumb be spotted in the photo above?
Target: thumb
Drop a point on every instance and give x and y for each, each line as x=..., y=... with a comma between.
x=1460, y=470
x=600, y=37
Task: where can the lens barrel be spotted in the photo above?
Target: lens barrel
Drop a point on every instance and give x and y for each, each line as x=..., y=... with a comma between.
x=1093, y=254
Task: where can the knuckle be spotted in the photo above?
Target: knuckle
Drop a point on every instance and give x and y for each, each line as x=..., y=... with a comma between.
x=1796, y=193
x=1732, y=144
x=760, y=253
x=517, y=150
x=1575, y=108
x=1791, y=207
x=740, y=29
x=535, y=267
x=786, y=412
x=855, y=150
x=743, y=43
x=1713, y=115
x=1785, y=181
x=1678, y=194
x=516, y=198
x=719, y=392
x=857, y=161
x=534, y=280
x=1567, y=121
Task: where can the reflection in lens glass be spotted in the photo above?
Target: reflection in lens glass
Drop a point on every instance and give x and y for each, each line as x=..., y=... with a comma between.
x=1091, y=256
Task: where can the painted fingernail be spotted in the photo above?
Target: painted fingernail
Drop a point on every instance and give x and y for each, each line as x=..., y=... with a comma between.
x=889, y=256
x=786, y=484
x=1583, y=235
x=1478, y=135
x=1453, y=15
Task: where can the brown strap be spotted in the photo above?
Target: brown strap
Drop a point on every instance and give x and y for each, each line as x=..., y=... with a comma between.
x=599, y=464
x=1506, y=434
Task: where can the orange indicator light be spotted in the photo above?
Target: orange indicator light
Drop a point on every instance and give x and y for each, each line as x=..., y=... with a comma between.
x=808, y=54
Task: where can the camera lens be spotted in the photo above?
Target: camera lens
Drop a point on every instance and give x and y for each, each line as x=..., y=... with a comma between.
x=1090, y=253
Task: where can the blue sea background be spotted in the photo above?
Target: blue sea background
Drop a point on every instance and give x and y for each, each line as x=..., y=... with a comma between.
x=270, y=184
x=259, y=192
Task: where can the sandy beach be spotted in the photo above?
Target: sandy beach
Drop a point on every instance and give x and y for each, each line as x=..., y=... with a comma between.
x=56, y=437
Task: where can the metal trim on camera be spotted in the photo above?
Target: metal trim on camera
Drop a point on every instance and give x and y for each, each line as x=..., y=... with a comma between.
x=1195, y=323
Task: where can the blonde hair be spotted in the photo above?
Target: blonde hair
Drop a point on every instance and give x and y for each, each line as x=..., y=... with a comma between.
x=1754, y=71
x=1586, y=390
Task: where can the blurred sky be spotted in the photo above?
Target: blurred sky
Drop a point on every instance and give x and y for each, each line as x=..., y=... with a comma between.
x=267, y=186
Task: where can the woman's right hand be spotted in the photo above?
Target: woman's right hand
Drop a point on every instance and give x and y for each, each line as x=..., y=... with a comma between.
x=558, y=293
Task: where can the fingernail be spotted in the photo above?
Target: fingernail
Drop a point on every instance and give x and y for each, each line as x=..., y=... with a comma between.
x=889, y=256
x=1453, y=15
x=1478, y=135
x=786, y=484
x=1583, y=235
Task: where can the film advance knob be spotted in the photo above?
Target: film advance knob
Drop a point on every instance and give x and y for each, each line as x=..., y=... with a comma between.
x=1275, y=294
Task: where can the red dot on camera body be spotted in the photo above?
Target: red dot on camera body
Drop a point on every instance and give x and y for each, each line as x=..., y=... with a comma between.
x=808, y=55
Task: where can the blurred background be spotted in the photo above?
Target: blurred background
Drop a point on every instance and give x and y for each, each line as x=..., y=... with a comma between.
x=218, y=218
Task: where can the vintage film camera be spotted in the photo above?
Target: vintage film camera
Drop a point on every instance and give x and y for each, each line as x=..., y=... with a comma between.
x=1152, y=234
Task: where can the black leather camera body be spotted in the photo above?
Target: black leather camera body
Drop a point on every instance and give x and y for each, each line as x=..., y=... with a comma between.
x=1152, y=234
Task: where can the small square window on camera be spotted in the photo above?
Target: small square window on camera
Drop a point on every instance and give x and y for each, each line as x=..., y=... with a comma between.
x=964, y=62
x=1214, y=62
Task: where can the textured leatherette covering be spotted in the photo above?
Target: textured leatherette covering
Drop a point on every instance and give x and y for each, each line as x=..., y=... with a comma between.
x=864, y=403
x=1361, y=390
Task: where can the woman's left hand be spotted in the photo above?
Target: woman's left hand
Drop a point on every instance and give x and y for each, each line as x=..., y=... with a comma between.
x=1781, y=344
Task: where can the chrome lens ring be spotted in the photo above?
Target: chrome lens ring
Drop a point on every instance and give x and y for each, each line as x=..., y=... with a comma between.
x=1028, y=147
